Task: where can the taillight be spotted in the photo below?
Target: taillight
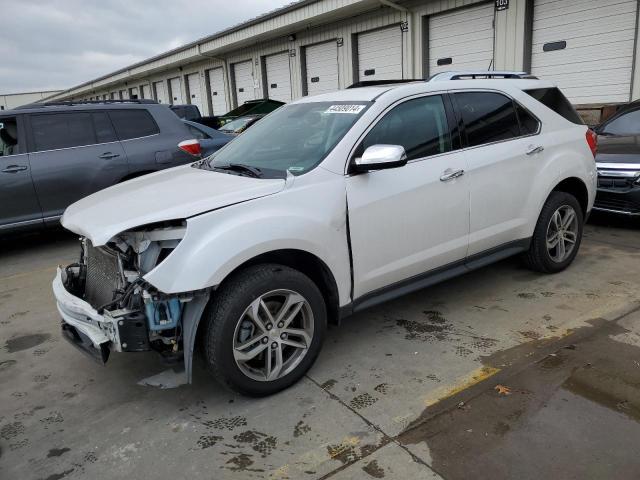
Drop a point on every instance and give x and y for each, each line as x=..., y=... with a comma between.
x=192, y=147
x=592, y=141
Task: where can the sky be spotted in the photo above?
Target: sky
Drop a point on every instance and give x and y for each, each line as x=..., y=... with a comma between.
x=56, y=44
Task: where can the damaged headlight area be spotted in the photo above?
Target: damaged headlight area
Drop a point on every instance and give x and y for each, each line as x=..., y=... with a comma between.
x=107, y=305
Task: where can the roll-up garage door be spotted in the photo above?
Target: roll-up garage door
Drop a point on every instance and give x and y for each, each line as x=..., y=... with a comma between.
x=278, y=79
x=461, y=39
x=161, y=92
x=218, y=92
x=133, y=93
x=145, y=90
x=380, y=54
x=586, y=47
x=243, y=80
x=195, y=96
x=176, y=91
x=322, y=68
x=124, y=95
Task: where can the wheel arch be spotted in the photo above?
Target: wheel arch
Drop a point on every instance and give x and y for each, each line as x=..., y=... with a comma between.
x=576, y=187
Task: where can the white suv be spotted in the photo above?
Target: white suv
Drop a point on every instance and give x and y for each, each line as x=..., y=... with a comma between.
x=329, y=205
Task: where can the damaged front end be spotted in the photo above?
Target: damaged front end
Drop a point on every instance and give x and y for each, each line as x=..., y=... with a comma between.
x=106, y=305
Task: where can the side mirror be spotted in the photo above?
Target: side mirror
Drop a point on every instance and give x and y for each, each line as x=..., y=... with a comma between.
x=380, y=157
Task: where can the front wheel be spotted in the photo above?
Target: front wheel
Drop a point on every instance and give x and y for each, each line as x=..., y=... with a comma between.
x=558, y=234
x=264, y=329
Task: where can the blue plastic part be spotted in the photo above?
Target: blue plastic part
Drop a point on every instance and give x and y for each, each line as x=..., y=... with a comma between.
x=163, y=315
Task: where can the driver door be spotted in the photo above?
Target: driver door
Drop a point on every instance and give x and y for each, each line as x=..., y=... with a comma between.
x=409, y=220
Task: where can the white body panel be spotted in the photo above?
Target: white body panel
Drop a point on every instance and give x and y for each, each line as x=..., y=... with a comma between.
x=278, y=77
x=161, y=92
x=322, y=68
x=380, y=54
x=596, y=64
x=465, y=36
x=175, y=86
x=402, y=222
x=243, y=80
x=195, y=94
x=218, y=91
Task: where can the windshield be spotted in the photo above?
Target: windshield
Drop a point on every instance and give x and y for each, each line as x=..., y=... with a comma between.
x=235, y=125
x=294, y=138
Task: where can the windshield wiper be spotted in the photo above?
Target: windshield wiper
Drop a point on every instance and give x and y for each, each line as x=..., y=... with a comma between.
x=241, y=168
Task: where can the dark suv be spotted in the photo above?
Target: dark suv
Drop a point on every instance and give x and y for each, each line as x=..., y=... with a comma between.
x=52, y=155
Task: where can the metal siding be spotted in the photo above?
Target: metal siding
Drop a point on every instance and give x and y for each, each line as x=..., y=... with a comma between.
x=218, y=91
x=596, y=65
x=278, y=77
x=243, y=81
x=465, y=36
x=322, y=73
x=380, y=54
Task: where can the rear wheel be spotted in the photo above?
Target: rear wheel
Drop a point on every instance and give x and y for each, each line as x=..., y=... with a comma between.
x=558, y=234
x=264, y=329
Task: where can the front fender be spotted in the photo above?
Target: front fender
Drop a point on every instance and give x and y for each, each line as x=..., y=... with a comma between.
x=311, y=218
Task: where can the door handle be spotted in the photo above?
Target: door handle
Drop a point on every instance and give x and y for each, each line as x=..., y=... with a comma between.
x=14, y=169
x=532, y=149
x=108, y=155
x=449, y=174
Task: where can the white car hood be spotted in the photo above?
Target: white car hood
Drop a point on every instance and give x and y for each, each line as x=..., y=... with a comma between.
x=171, y=194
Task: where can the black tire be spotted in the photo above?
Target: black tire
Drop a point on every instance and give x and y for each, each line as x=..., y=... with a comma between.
x=226, y=309
x=538, y=257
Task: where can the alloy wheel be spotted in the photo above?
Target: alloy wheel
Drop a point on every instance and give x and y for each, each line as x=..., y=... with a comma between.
x=273, y=335
x=562, y=233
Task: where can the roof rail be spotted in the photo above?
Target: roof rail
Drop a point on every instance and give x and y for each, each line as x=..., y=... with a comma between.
x=375, y=83
x=479, y=74
x=69, y=103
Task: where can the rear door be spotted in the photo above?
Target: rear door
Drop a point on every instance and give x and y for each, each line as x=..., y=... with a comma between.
x=505, y=152
x=18, y=202
x=73, y=154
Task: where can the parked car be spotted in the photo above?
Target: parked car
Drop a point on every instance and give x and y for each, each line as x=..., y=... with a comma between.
x=192, y=113
x=618, y=162
x=52, y=155
x=240, y=124
x=328, y=206
x=261, y=106
x=210, y=140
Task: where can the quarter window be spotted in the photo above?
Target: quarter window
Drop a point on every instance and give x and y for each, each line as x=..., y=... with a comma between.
x=419, y=125
x=133, y=123
x=488, y=117
x=528, y=123
x=62, y=130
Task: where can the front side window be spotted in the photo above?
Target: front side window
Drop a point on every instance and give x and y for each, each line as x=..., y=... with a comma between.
x=419, y=125
x=625, y=124
x=295, y=138
x=8, y=136
x=488, y=117
x=133, y=123
x=52, y=131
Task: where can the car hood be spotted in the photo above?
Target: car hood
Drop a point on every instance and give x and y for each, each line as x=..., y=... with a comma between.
x=171, y=194
x=618, y=149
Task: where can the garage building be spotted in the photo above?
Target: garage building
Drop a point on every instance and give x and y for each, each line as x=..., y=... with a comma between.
x=588, y=47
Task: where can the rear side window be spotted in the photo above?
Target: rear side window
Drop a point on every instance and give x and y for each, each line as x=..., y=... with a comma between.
x=488, y=117
x=104, y=129
x=62, y=130
x=528, y=123
x=419, y=125
x=133, y=123
x=554, y=99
